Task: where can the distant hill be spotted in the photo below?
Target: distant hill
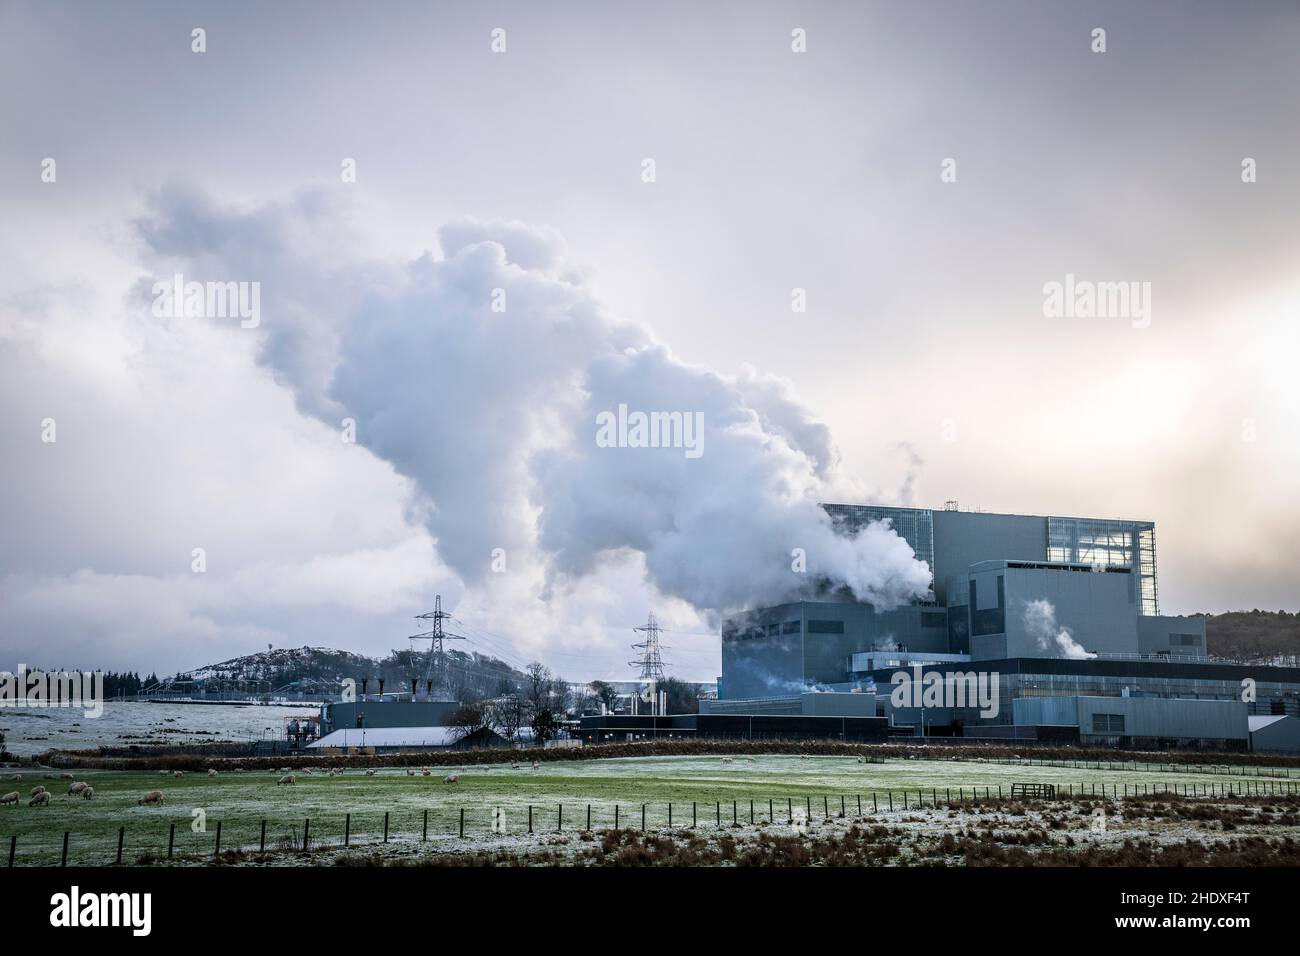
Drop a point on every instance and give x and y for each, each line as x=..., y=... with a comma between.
x=1256, y=636
x=323, y=669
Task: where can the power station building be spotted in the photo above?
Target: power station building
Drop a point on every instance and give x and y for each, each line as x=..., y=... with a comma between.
x=1045, y=608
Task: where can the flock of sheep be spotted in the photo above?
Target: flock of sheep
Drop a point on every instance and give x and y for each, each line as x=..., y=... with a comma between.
x=40, y=797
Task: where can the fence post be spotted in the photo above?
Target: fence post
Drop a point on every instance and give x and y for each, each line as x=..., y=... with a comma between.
x=616, y=816
x=347, y=827
x=65, y=849
x=424, y=827
x=13, y=845
x=385, y=826
x=171, y=840
x=875, y=807
x=643, y=818
x=262, y=843
x=530, y=818
x=306, y=833
x=670, y=815
x=559, y=820
x=462, y=822
x=719, y=812
x=751, y=813
x=121, y=835
x=216, y=850
x=589, y=818
x=770, y=817
x=734, y=819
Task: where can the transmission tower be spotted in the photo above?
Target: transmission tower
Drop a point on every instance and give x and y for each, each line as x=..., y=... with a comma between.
x=435, y=667
x=651, y=662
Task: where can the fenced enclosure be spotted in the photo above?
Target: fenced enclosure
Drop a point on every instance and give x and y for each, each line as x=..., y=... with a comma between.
x=449, y=823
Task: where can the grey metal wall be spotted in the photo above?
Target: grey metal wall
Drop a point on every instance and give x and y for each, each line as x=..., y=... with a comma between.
x=1100, y=610
x=1280, y=736
x=963, y=538
x=1165, y=634
x=1151, y=717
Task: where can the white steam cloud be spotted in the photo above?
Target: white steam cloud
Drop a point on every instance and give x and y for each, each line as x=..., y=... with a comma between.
x=479, y=376
x=1039, y=619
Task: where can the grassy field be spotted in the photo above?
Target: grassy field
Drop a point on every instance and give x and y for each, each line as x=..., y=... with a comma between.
x=495, y=800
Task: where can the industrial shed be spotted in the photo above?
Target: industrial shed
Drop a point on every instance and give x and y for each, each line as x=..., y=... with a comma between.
x=1275, y=733
x=377, y=739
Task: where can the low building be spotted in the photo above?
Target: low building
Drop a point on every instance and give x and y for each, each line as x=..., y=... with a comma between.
x=626, y=728
x=391, y=739
x=1146, y=722
x=1275, y=733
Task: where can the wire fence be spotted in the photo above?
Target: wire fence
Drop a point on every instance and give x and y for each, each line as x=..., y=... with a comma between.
x=451, y=824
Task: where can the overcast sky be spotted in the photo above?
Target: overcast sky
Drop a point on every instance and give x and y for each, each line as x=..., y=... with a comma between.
x=924, y=350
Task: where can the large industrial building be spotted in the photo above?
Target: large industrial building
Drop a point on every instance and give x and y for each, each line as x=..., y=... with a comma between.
x=1059, y=617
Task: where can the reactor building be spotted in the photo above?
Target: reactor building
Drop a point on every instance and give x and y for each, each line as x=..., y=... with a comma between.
x=1053, y=623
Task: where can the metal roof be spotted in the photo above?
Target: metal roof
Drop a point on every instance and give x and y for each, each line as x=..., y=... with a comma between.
x=390, y=737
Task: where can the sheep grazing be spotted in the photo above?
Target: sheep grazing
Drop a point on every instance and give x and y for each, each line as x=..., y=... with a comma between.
x=15, y=776
x=42, y=799
x=211, y=772
x=11, y=797
x=726, y=760
x=76, y=788
x=284, y=769
x=65, y=776
x=410, y=773
x=153, y=796
x=39, y=788
x=370, y=773
x=88, y=793
x=178, y=773
x=451, y=778
x=426, y=772
x=285, y=780
x=536, y=765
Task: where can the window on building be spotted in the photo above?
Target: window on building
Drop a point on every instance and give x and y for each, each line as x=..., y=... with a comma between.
x=825, y=627
x=790, y=627
x=1184, y=640
x=934, y=619
x=1107, y=723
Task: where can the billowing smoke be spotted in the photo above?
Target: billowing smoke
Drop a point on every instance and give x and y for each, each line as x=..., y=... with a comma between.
x=1039, y=619
x=481, y=375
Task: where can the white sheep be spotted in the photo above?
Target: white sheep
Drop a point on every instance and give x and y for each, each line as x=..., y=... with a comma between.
x=285, y=769
x=426, y=772
x=451, y=778
x=536, y=765
x=726, y=760
x=286, y=779
x=153, y=796
x=65, y=776
x=40, y=800
x=370, y=773
x=11, y=797
x=76, y=788
x=410, y=773
x=88, y=793
x=39, y=788
x=178, y=773
x=211, y=772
